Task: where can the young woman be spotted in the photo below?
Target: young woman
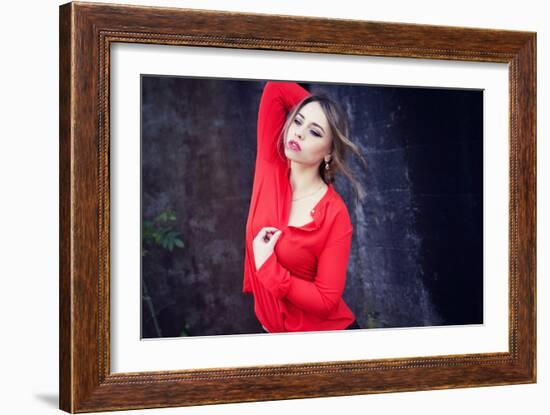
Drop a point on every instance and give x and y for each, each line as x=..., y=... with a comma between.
x=299, y=232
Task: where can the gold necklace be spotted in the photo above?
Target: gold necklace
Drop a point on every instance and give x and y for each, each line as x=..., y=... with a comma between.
x=303, y=197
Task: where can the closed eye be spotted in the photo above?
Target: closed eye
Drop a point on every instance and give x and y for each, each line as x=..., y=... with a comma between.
x=314, y=132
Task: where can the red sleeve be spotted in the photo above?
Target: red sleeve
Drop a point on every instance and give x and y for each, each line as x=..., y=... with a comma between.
x=323, y=294
x=249, y=267
x=278, y=99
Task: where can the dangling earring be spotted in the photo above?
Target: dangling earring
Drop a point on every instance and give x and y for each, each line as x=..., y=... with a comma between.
x=327, y=170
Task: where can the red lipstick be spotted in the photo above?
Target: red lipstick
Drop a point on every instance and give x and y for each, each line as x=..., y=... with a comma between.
x=293, y=145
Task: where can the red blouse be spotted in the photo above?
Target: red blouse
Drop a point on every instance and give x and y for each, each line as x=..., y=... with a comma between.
x=300, y=286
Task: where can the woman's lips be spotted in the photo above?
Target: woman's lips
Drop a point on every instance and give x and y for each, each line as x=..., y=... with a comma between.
x=293, y=145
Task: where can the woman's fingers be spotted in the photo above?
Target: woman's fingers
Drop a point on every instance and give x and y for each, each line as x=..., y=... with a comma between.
x=266, y=233
x=274, y=238
x=264, y=244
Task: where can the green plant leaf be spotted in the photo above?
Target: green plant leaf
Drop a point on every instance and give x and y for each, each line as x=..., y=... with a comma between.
x=154, y=232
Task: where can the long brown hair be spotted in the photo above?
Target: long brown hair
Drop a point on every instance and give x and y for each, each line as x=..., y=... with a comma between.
x=341, y=144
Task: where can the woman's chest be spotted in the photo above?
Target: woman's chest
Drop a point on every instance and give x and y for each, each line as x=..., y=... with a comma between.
x=301, y=213
x=301, y=209
x=281, y=211
x=298, y=252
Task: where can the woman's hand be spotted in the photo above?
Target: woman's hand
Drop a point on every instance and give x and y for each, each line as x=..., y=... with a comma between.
x=264, y=244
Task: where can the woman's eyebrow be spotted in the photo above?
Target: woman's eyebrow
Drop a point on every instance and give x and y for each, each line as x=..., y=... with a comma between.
x=314, y=123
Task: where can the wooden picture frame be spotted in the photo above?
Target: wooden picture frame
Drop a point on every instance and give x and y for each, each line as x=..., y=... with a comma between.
x=86, y=33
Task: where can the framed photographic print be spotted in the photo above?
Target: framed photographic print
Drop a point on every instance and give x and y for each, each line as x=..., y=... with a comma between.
x=252, y=208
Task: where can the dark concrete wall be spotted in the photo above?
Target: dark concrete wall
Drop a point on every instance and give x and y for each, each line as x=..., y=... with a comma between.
x=417, y=249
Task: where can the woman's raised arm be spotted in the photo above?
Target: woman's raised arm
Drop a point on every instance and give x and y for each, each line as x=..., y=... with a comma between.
x=278, y=99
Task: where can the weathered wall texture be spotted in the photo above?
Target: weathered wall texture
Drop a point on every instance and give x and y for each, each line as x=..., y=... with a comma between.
x=417, y=248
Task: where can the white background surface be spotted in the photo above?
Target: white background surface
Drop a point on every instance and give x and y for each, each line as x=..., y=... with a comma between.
x=29, y=216
x=130, y=354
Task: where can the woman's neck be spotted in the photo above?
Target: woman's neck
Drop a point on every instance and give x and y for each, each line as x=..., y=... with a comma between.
x=304, y=178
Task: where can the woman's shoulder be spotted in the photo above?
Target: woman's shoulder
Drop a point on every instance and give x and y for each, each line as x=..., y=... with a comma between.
x=337, y=213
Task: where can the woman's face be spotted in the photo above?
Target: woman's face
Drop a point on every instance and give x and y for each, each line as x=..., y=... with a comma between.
x=308, y=139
